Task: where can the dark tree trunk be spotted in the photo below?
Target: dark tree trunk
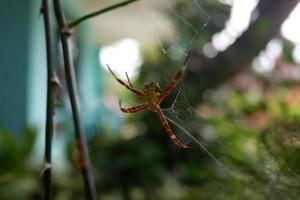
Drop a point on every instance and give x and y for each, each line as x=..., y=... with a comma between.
x=213, y=72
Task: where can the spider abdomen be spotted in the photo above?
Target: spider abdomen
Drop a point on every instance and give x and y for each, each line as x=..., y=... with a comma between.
x=152, y=93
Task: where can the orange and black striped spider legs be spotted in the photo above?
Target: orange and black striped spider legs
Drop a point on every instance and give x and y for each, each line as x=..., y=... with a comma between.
x=175, y=80
x=129, y=87
x=130, y=84
x=133, y=109
x=168, y=129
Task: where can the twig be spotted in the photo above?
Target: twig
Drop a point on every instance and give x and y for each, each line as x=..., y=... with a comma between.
x=98, y=12
x=84, y=160
x=52, y=82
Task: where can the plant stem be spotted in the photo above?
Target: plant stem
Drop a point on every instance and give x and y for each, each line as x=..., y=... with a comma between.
x=84, y=160
x=52, y=82
x=98, y=12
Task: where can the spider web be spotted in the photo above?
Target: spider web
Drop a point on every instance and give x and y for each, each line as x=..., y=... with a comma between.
x=188, y=126
x=245, y=158
x=273, y=178
x=193, y=19
x=241, y=156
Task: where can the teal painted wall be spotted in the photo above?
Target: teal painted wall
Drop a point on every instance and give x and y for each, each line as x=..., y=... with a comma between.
x=23, y=71
x=37, y=70
x=14, y=59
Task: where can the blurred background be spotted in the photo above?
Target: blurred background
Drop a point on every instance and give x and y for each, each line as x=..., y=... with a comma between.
x=237, y=106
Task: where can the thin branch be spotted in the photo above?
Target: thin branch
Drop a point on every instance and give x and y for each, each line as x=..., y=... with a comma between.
x=52, y=83
x=98, y=12
x=84, y=160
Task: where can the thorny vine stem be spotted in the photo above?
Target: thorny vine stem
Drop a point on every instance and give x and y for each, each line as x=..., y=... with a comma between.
x=98, y=12
x=84, y=160
x=52, y=83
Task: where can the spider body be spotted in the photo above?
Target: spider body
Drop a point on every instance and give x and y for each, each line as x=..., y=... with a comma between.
x=152, y=97
x=152, y=94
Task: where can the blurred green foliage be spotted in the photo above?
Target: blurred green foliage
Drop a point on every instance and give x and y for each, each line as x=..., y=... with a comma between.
x=18, y=178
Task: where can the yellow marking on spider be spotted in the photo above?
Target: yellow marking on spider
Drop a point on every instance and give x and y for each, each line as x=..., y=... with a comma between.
x=152, y=93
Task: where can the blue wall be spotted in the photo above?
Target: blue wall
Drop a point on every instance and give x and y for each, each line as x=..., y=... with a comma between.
x=14, y=59
x=23, y=70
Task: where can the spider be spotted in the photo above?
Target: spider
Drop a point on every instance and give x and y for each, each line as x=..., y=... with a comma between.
x=153, y=97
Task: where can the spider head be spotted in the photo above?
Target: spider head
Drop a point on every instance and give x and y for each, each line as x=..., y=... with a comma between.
x=153, y=92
